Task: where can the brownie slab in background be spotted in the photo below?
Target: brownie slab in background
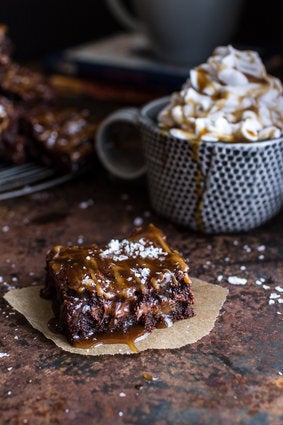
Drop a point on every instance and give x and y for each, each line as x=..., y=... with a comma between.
x=22, y=84
x=139, y=281
x=12, y=142
x=60, y=137
x=33, y=125
x=6, y=46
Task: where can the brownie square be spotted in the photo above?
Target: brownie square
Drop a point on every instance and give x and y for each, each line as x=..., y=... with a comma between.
x=21, y=84
x=6, y=45
x=61, y=137
x=138, y=281
x=12, y=143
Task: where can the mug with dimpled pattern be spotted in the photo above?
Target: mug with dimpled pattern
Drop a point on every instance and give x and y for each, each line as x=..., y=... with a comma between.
x=213, y=187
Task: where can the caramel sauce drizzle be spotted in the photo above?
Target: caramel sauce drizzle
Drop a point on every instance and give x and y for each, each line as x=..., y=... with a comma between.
x=199, y=185
x=133, y=334
x=115, y=274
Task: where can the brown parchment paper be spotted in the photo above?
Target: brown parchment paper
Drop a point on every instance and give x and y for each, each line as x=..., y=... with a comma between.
x=208, y=301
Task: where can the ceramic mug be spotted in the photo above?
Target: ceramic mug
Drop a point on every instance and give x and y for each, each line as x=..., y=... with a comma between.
x=212, y=187
x=181, y=31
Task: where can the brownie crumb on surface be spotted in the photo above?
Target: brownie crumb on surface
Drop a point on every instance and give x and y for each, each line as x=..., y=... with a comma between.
x=138, y=281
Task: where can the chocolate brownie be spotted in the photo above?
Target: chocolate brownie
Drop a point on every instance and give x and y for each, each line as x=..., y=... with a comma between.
x=6, y=46
x=61, y=137
x=20, y=83
x=12, y=143
x=32, y=124
x=139, y=281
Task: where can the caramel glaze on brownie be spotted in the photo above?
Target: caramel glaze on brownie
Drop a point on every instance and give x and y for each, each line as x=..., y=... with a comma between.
x=137, y=281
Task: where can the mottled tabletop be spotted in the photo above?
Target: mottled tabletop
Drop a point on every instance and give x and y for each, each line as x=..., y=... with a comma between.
x=234, y=375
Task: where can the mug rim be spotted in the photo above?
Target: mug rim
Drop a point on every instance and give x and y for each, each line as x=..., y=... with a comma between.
x=161, y=102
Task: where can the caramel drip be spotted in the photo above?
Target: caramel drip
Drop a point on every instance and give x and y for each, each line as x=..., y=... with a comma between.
x=133, y=334
x=203, y=79
x=199, y=185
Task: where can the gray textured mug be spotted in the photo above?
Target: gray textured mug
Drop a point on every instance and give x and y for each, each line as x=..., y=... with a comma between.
x=180, y=31
x=212, y=187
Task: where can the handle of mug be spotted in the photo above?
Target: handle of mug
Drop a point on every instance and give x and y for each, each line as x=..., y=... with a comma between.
x=122, y=15
x=108, y=152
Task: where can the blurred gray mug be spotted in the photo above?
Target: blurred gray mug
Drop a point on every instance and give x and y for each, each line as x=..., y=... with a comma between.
x=211, y=187
x=180, y=31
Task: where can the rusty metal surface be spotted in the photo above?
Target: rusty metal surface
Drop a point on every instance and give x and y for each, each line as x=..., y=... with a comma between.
x=232, y=376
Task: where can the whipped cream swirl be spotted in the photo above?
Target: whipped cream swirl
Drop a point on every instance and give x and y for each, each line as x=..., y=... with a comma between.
x=229, y=98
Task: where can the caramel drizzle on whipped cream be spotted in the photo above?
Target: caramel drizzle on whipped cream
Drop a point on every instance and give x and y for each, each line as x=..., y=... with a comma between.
x=229, y=98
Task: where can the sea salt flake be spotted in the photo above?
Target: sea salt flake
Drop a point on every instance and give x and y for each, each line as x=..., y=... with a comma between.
x=121, y=251
x=261, y=248
x=271, y=302
x=141, y=273
x=122, y=394
x=120, y=257
x=4, y=355
x=274, y=296
x=261, y=257
x=266, y=286
x=138, y=221
x=85, y=204
x=278, y=289
x=219, y=277
x=247, y=248
x=258, y=282
x=113, y=245
x=80, y=240
x=234, y=280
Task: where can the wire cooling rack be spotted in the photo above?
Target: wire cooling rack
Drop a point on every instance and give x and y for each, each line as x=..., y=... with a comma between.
x=28, y=178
